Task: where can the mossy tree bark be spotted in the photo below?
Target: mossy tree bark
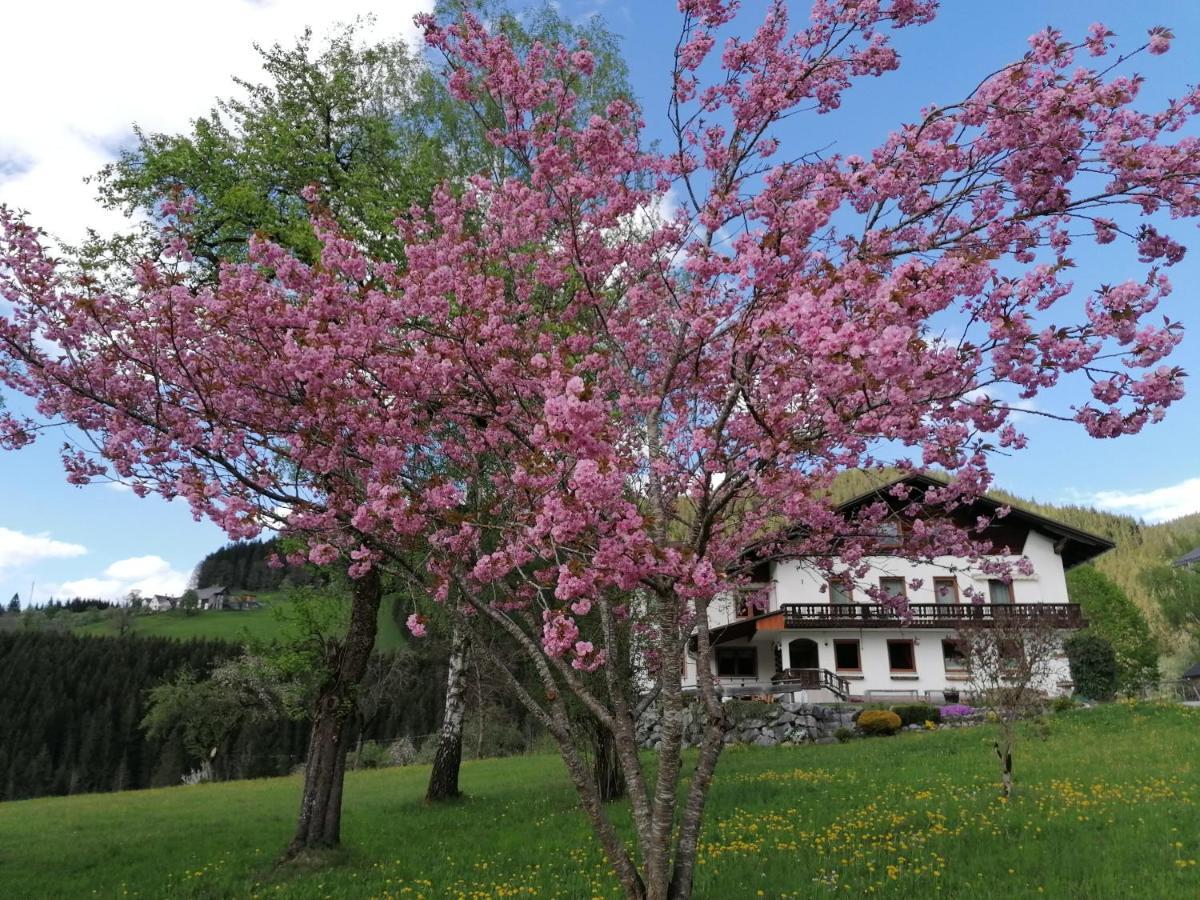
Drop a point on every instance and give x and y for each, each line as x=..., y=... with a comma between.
x=320, y=822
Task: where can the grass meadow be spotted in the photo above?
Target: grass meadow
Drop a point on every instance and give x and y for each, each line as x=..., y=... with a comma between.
x=228, y=625
x=1106, y=807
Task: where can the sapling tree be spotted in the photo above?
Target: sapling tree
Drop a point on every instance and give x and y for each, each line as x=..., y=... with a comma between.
x=1013, y=662
x=656, y=397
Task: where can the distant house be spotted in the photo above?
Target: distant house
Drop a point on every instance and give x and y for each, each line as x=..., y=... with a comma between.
x=1191, y=558
x=821, y=637
x=161, y=603
x=212, y=597
x=1193, y=674
x=243, y=601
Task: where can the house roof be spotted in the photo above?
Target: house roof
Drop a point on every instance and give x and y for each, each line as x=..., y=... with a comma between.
x=209, y=592
x=1188, y=559
x=741, y=628
x=1193, y=672
x=1073, y=544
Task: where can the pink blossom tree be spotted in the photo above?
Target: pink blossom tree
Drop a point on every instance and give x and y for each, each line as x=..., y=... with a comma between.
x=243, y=399
x=642, y=403
x=665, y=397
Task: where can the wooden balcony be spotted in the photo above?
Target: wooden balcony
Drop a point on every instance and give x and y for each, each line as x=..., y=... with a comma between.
x=927, y=615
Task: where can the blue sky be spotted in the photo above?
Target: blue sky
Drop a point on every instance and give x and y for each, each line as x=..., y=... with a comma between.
x=99, y=540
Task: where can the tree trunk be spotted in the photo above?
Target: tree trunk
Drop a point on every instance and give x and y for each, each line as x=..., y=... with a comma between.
x=443, y=780
x=1004, y=754
x=320, y=822
x=606, y=768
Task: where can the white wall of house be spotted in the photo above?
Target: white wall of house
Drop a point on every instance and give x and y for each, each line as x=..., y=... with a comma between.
x=796, y=583
x=875, y=677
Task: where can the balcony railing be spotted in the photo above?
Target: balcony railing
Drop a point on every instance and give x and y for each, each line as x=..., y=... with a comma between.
x=927, y=615
x=811, y=680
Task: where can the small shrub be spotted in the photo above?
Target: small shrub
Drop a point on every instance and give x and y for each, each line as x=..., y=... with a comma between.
x=956, y=711
x=866, y=708
x=843, y=734
x=917, y=713
x=1063, y=704
x=879, y=721
x=1093, y=666
x=372, y=755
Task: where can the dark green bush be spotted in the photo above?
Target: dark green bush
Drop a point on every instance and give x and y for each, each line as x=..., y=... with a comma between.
x=1093, y=666
x=1063, y=704
x=917, y=713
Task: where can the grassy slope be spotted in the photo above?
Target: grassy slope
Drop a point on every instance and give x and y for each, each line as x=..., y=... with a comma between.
x=230, y=625
x=1107, y=807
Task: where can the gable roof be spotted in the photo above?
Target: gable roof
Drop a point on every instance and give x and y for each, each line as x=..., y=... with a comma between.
x=209, y=592
x=1073, y=544
x=1188, y=559
x=1193, y=672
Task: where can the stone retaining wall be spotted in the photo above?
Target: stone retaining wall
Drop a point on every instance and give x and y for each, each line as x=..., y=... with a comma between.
x=779, y=723
x=771, y=724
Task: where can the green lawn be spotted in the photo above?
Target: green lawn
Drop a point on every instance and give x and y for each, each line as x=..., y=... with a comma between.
x=1106, y=808
x=230, y=625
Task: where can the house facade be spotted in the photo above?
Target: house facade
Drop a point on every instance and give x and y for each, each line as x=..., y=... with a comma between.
x=829, y=641
x=212, y=597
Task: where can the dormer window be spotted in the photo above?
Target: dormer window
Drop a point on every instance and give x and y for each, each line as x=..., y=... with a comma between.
x=890, y=534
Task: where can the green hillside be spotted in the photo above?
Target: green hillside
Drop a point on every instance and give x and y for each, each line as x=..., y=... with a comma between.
x=230, y=625
x=1106, y=807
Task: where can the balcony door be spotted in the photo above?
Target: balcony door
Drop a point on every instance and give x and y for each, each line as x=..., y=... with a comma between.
x=803, y=654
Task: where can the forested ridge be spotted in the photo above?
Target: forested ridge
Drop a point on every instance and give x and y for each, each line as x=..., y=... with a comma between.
x=72, y=710
x=246, y=566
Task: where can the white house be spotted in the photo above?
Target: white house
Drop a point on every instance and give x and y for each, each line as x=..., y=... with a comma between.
x=161, y=603
x=831, y=642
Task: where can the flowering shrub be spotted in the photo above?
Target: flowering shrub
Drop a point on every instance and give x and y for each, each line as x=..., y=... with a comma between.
x=957, y=711
x=879, y=721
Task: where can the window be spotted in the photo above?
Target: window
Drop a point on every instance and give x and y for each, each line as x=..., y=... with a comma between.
x=846, y=656
x=945, y=590
x=952, y=656
x=902, y=656
x=1012, y=654
x=892, y=587
x=841, y=592
x=999, y=592
x=890, y=534
x=737, y=662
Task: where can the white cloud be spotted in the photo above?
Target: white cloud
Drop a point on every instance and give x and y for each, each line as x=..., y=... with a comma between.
x=18, y=549
x=146, y=574
x=82, y=72
x=1156, y=505
x=1018, y=408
